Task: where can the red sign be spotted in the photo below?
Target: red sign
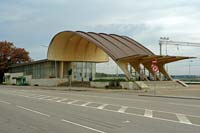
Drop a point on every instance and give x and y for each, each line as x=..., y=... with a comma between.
x=154, y=61
x=154, y=68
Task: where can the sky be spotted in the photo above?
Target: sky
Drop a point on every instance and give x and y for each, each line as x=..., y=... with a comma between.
x=31, y=24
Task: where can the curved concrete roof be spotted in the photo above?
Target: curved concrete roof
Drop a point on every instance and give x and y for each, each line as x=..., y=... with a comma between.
x=97, y=47
x=90, y=46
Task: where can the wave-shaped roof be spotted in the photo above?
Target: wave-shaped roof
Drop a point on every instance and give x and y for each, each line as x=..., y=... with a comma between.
x=115, y=46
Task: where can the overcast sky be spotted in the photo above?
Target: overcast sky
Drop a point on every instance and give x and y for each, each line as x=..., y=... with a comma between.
x=32, y=23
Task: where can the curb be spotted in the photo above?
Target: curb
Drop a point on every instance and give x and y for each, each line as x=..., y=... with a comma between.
x=74, y=89
x=164, y=96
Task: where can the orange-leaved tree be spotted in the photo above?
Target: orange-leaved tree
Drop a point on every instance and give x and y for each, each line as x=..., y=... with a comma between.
x=9, y=54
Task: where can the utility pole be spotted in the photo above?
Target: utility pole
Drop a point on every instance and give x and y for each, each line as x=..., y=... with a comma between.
x=189, y=72
x=166, y=41
x=162, y=41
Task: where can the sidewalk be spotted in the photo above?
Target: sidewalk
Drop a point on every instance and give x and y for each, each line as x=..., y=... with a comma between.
x=170, y=96
x=191, y=92
x=74, y=89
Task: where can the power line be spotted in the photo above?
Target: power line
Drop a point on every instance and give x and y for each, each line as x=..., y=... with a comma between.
x=166, y=41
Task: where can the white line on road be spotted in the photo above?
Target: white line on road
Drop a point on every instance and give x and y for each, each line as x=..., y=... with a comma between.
x=189, y=105
x=54, y=98
x=4, y=102
x=21, y=95
x=129, y=106
x=74, y=101
x=37, y=112
x=138, y=115
x=62, y=100
x=44, y=97
x=148, y=113
x=149, y=117
x=37, y=96
x=122, y=109
x=93, y=129
x=183, y=119
x=85, y=104
x=103, y=97
x=24, y=94
x=29, y=94
x=102, y=106
x=145, y=109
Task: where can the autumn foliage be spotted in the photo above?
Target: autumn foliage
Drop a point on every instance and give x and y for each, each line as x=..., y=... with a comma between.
x=9, y=55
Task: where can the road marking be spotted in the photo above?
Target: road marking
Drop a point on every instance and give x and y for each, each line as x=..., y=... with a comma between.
x=29, y=94
x=85, y=104
x=103, y=97
x=189, y=105
x=37, y=96
x=127, y=121
x=44, y=97
x=62, y=100
x=37, y=112
x=25, y=96
x=21, y=95
x=93, y=129
x=156, y=118
x=71, y=102
x=102, y=106
x=147, y=117
x=136, y=107
x=144, y=115
x=183, y=119
x=122, y=109
x=148, y=113
x=54, y=98
x=4, y=102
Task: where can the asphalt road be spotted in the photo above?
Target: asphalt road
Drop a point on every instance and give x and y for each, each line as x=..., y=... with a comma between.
x=45, y=111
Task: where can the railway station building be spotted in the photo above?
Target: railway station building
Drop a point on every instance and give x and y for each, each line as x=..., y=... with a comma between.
x=74, y=54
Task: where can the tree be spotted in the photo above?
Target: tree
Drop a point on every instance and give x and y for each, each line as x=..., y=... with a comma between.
x=9, y=54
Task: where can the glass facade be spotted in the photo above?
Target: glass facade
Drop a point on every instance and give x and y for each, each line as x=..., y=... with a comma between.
x=37, y=70
x=81, y=71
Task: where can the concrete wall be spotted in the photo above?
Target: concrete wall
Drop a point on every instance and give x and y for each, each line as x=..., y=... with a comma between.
x=124, y=85
x=129, y=85
x=40, y=82
x=28, y=79
x=99, y=84
x=48, y=82
x=9, y=77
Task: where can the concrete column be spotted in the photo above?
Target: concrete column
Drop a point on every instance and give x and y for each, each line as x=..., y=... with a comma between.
x=61, y=69
x=124, y=68
x=93, y=71
x=83, y=70
x=164, y=72
x=136, y=66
